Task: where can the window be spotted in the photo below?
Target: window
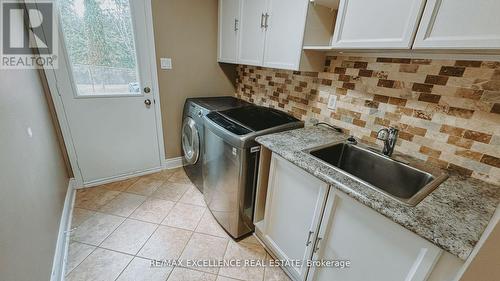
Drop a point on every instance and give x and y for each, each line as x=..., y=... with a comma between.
x=100, y=45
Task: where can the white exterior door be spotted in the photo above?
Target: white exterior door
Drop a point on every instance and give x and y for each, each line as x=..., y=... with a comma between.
x=382, y=24
x=229, y=25
x=377, y=248
x=284, y=36
x=294, y=204
x=105, y=81
x=459, y=24
x=253, y=32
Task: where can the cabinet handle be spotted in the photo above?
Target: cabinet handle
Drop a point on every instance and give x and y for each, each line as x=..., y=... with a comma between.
x=316, y=244
x=235, y=24
x=262, y=20
x=309, y=238
x=265, y=22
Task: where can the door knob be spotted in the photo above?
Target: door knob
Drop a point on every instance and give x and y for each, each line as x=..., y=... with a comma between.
x=147, y=102
x=147, y=90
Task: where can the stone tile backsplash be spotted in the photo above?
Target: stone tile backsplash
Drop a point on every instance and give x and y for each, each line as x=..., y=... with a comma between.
x=448, y=111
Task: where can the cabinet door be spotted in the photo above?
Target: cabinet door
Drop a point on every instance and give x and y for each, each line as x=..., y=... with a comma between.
x=229, y=24
x=284, y=36
x=387, y=24
x=459, y=24
x=295, y=201
x=252, y=32
x=378, y=249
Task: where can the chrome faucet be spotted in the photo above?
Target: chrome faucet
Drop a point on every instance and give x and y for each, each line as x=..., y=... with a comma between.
x=389, y=136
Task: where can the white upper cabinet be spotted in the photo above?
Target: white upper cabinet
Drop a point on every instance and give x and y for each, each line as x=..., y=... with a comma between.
x=253, y=32
x=459, y=24
x=381, y=24
x=264, y=33
x=285, y=32
x=229, y=24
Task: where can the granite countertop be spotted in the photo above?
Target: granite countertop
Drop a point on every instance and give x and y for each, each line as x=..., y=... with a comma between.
x=453, y=216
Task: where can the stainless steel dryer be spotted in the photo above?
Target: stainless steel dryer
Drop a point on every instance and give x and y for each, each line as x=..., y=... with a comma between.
x=193, y=131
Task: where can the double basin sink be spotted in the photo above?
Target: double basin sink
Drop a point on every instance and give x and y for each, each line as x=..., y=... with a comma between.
x=400, y=181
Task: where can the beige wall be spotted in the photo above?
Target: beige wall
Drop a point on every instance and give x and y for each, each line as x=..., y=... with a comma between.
x=33, y=179
x=186, y=31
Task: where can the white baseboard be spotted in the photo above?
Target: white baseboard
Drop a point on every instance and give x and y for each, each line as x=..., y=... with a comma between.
x=173, y=163
x=62, y=244
x=122, y=177
x=170, y=163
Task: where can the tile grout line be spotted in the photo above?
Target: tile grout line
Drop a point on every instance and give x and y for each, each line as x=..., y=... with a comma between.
x=197, y=223
x=160, y=224
x=141, y=257
x=95, y=213
x=185, y=246
x=156, y=229
x=149, y=197
x=95, y=248
x=135, y=208
x=111, y=232
x=248, y=244
x=135, y=255
x=180, y=255
x=128, y=217
x=124, y=268
x=223, y=255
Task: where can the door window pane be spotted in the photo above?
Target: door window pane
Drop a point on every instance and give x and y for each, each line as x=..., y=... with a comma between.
x=100, y=45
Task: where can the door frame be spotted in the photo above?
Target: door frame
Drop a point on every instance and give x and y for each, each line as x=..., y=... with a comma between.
x=52, y=81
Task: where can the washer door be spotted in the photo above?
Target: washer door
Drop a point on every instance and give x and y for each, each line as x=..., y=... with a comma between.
x=190, y=141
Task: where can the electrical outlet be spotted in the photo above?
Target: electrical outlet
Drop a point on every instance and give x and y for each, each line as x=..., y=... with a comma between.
x=323, y=93
x=166, y=63
x=332, y=102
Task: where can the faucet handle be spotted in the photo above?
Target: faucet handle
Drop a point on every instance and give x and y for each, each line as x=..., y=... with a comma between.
x=383, y=134
x=393, y=130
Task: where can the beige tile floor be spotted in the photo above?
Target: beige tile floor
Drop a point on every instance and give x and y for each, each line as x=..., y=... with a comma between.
x=119, y=227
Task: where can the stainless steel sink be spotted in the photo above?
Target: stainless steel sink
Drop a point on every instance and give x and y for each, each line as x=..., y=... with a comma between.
x=396, y=179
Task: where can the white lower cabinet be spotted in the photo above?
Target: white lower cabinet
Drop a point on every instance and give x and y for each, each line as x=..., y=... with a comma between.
x=305, y=219
x=377, y=248
x=295, y=200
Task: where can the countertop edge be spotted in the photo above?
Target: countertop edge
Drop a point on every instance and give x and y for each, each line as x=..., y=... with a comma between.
x=403, y=215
